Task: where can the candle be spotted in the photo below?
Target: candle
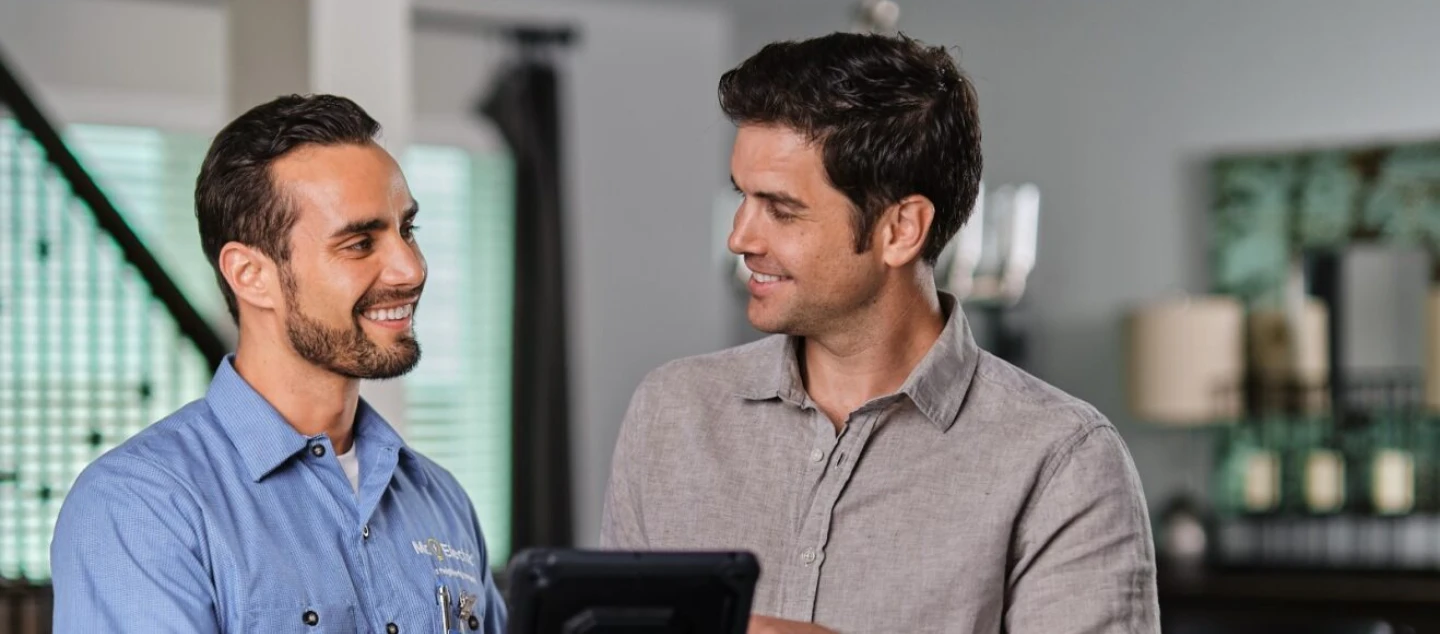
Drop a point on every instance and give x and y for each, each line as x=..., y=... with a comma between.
x=1324, y=481
x=1393, y=481
x=1262, y=481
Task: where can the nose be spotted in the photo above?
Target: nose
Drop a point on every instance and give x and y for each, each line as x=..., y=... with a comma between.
x=744, y=238
x=404, y=265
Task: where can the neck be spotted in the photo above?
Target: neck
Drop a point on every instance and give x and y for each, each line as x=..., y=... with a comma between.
x=311, y=399
x=874, y=354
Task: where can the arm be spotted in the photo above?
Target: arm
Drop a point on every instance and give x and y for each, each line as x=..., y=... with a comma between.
x=767, y=625
x=622, y=526
x=126, y=556
x=1082, y=557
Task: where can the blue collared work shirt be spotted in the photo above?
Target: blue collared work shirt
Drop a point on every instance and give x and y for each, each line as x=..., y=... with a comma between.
x=223, y=518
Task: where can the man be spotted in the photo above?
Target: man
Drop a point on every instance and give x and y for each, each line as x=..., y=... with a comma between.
x=891, y=476
x=281, y=502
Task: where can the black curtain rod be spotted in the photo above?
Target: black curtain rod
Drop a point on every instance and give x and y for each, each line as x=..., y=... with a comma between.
x=524, y=33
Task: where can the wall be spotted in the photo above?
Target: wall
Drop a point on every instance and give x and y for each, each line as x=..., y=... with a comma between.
x=116, y=61
x=644, y=139
x=1113, y=108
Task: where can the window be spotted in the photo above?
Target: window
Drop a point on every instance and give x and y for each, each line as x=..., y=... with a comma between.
x=87, y=357
x=459, y=395
x=458, y=398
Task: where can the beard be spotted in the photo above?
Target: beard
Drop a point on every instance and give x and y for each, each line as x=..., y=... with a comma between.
x=349, y=352
x=806, y=314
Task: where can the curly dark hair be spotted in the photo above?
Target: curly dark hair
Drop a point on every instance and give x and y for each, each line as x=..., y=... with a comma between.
x=235, y=198
x=892, y=116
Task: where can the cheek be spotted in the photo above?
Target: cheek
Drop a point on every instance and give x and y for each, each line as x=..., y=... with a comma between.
x=800, y=250
x=333, y=289
x=828, y=254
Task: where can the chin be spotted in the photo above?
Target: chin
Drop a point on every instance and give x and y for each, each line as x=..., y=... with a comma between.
x=767, y=323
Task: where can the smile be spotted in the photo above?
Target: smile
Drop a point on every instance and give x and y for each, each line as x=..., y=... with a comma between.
x=398, y=313
x=767, y=279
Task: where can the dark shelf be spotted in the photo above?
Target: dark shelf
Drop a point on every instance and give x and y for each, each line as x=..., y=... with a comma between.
x=1291, y=598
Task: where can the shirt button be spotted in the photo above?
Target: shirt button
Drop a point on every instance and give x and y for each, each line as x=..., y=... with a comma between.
x=473, y=622
x=365, y=531
x=816, y=455
x=391, y=628
x=311, y=618
x=318, y=451
x=808, y=556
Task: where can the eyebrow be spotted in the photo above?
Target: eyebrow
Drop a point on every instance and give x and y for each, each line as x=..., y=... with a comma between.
x=373, y=224
x=778, y=198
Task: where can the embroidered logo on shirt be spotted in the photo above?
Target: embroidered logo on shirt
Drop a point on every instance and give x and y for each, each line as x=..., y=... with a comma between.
x=441, y=551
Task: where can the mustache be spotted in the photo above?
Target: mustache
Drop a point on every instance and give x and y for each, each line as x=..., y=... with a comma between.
x=387, y=295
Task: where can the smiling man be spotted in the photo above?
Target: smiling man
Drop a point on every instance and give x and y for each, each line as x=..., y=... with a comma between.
x=891, y=475
x=282, y=501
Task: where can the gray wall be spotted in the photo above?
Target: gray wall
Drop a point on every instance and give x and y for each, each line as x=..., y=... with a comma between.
x=135, y=62
x=1112, y=107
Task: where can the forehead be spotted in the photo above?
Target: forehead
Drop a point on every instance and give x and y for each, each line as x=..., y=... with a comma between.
x=771, y=148
x=340, y=180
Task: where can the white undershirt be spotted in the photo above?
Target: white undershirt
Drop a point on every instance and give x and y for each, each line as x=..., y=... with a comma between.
x=350, y=462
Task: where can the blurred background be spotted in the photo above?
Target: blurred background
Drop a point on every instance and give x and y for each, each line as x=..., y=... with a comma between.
x=1214, y=221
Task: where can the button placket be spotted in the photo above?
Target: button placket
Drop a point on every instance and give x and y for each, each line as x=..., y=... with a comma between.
x=851, y=442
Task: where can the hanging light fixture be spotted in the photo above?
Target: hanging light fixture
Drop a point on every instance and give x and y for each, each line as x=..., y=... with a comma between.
x=875, y=16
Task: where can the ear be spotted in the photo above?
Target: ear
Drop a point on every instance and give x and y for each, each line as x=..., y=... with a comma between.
x=252, y=275
x=904, y=228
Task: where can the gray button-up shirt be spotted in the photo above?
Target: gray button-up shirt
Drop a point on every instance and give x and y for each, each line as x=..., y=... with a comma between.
x=975, y=499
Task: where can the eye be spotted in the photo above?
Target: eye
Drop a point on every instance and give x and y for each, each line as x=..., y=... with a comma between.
x=780, y=214
x=361, y=246
x=408, y=231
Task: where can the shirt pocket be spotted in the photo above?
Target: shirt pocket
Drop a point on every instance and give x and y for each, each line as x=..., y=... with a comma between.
x=329, y=618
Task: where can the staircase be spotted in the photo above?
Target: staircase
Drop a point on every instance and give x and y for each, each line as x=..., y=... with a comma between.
x=96, y=341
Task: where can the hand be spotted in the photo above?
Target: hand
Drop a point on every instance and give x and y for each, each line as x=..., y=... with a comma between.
x=767, y=625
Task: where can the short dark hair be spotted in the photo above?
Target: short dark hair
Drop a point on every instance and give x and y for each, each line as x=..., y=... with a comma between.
x=893, y=118
x=236, y=199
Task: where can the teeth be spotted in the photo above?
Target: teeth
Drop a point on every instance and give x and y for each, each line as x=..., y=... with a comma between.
x=390, y=314
x=766, y=279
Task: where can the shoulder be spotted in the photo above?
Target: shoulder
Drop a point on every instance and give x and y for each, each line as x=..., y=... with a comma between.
x=719, y=373
x=155, y=459
x=1028, y=407
x=439, y=477
x=1061, y=432
x=444, y=488
x=141, y=484
x=1039, y=424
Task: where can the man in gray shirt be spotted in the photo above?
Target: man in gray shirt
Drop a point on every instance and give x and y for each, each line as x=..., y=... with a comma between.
x=890, y=475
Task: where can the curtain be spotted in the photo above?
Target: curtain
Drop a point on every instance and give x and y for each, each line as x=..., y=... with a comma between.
x=525, y=107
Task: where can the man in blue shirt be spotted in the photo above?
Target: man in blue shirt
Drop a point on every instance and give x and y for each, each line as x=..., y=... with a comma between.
x=281, y=502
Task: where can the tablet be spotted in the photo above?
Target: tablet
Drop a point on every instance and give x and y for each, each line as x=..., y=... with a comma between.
x=564, y=591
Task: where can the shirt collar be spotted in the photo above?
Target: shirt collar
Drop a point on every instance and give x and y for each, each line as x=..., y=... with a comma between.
x=937, y=386
x=264, y=439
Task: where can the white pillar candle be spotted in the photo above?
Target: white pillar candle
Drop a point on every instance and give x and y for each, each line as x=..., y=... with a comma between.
x=1262, y=481
x=1324, y=481
x=1393, y=481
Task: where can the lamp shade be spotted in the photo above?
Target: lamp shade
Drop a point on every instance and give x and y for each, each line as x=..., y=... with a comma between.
x=1186, y=359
